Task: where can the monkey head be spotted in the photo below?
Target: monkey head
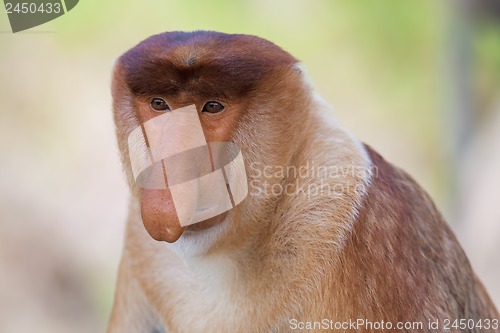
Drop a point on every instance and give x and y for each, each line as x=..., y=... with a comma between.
x=241, y=89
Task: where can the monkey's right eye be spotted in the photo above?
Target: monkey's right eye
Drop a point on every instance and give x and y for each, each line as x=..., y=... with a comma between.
x=159, y=104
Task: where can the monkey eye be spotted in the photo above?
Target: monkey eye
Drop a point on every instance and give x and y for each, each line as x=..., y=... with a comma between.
x=212, y=107
x=159, y=104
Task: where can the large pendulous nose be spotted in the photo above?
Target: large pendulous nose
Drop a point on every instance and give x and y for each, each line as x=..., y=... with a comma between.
x=159, y=215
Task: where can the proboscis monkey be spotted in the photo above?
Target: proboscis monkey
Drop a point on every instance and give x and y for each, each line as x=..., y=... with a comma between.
x=330, y=236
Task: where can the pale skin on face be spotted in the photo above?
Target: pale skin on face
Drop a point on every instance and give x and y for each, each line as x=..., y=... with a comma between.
x=157, y=209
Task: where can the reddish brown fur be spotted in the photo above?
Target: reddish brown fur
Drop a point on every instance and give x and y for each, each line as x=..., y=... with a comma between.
x=380, y=253
x=203, y=63
x=402, y=262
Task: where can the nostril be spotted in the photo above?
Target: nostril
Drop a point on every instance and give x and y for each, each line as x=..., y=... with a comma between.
x=159, y=215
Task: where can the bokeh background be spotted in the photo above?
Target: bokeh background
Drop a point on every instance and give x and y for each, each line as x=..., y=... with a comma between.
x=419, y=80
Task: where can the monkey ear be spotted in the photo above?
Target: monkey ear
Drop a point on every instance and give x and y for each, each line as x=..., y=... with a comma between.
x=114, y=62
x=301, y=72
x=299, y=68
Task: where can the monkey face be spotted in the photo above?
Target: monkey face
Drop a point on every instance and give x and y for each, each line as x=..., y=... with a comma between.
x=213, y=77
x=170, y=152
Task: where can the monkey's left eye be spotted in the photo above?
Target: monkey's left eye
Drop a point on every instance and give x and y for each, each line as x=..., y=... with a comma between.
x=159, y=104
x=212, y=107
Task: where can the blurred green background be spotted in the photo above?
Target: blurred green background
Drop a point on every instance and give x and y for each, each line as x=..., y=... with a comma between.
x=419, y=80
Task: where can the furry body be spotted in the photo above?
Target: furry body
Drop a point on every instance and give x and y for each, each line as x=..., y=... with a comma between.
x=371, y=246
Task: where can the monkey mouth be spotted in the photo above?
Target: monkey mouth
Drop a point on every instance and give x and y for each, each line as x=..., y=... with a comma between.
x=207, y=224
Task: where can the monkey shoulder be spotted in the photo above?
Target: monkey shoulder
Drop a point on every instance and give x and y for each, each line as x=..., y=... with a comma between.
x=402, y=255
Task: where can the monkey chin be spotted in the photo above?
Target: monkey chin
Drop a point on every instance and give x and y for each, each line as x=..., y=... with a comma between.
x=177, y=233
x=199, y=238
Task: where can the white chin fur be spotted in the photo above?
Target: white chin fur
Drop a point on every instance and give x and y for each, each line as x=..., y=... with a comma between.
x=196, y=243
